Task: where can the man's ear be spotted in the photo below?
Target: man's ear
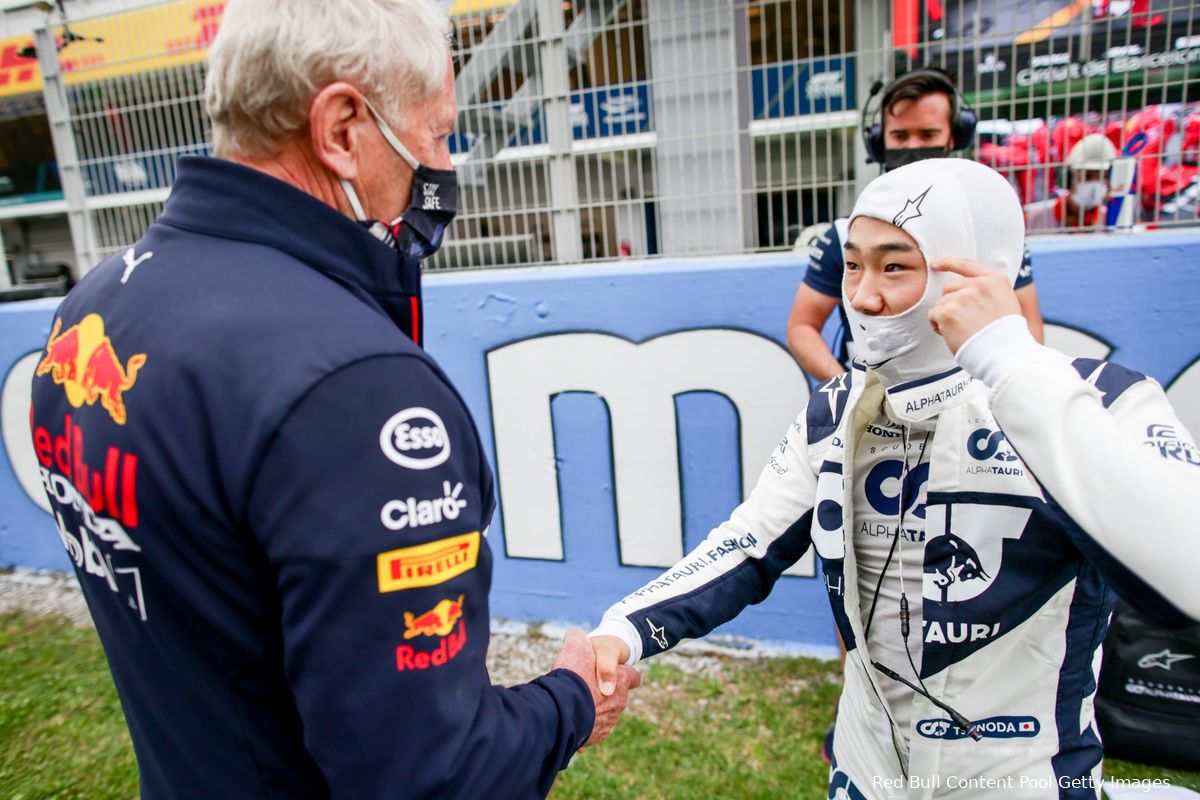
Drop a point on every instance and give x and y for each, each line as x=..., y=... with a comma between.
x=336, y=120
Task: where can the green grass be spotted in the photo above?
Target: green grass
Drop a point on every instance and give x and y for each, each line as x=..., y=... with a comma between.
x=754, y=732
x=751, y=732
x=62, y=734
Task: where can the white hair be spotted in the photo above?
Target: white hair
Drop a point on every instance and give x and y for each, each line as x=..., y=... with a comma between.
x=271, y=57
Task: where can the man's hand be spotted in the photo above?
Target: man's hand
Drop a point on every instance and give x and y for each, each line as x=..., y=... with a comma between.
x=577, y=655
x=970, y=303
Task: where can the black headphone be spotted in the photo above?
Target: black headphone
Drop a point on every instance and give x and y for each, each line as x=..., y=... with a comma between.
x=962, y=117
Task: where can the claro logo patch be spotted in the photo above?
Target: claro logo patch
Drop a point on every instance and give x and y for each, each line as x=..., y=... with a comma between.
x=397, y=515
x=415, y=438
x=427, y=564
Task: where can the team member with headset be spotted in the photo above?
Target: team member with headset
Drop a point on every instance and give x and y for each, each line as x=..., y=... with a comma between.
x=969, y=492
x=920, y=115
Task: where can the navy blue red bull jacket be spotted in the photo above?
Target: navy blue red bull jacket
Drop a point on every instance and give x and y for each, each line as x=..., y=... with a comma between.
x=277, y=505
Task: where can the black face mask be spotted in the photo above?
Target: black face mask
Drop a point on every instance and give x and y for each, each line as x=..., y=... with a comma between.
x=433, y=206
x=898, y=158
x=415, y=235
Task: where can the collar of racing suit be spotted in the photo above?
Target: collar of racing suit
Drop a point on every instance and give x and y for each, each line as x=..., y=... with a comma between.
x=221, y=198
x=918, y=400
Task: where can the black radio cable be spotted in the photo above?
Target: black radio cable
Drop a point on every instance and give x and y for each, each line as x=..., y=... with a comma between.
x=956, y=717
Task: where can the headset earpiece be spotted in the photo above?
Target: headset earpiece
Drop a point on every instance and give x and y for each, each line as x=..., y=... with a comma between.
x=963, y=128
x=872, y=133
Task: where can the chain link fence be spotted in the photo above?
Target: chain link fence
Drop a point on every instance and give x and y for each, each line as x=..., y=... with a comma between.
x=1044, y=75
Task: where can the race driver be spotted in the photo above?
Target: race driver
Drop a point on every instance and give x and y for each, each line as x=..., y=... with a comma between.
x=973, y=517
x=921, y=115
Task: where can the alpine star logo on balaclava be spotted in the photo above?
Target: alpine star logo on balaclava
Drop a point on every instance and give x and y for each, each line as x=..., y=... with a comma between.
x=911, y=210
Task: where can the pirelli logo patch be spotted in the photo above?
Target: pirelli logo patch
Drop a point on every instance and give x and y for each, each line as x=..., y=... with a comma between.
x=427, y=564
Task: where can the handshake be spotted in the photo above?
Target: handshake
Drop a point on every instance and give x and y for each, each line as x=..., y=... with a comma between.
x=601, y=664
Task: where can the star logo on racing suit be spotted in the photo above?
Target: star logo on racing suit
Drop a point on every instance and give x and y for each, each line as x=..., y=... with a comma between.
x=911, y=210
x=1163, y=659
x=832, y=390
x=1095, y=376
x=659, y=634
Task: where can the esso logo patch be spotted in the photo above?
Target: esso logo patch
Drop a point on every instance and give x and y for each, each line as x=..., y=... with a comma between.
x=415, y=438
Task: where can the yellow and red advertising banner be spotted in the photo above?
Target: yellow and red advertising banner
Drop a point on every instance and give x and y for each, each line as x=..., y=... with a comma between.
x=136, y=41
x=461, y=7
x=147, y=39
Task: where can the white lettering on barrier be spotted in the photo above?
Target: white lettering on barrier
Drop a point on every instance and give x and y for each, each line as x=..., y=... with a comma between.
x=639, y=383
x=623, y=384
x=1074, y=342
x=1116, y=65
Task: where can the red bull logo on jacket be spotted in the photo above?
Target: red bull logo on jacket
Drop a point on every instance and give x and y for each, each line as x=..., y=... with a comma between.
x=438, y=621
x=448, y=648
x=84, y=362
x=109, y=490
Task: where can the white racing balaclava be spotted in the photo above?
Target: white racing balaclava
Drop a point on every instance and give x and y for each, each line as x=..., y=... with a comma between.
x=953, y=208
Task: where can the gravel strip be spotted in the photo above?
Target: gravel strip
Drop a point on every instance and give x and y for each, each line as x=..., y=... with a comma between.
x=43, y=593
x=518, y=651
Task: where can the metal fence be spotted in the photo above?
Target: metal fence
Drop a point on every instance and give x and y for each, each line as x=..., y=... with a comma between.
x=1042, y=75
x=725, y=126
x=604, y=129
x=592, y=130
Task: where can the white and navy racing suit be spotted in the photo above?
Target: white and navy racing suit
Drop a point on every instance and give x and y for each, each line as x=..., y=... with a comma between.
x=1039, y=495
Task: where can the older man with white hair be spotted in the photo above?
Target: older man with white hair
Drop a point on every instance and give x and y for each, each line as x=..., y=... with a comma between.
x=279, y=507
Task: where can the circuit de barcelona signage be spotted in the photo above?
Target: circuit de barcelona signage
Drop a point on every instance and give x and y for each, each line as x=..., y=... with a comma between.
x=628, y=408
